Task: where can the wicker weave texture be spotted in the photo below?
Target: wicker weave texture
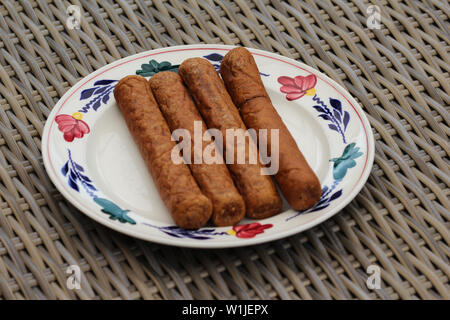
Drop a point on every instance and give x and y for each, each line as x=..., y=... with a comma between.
x=400, y=220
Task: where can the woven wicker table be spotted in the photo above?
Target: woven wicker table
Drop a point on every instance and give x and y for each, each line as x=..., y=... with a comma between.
x=397, y=67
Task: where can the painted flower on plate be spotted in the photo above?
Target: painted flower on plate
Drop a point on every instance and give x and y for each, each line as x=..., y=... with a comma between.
x=346, y=161
x=114, y=211
x=153, y=67
x=249, y=230
x=297, y=87
x=72, y=126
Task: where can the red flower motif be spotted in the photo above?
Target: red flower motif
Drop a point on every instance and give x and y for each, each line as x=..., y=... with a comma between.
x=72, y=126
x=297, y=87
x=250, y=230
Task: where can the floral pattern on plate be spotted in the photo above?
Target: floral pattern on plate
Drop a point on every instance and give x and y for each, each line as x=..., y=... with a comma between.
x=72, y=126
x=244, y=231
x=295, y=88
x=301, y=91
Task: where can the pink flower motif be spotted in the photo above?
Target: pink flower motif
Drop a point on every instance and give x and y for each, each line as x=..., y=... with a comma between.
x=297, y=87
x=72, y=126
x=250, y=230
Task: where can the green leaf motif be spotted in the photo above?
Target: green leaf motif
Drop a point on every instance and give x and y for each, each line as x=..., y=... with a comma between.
x=154, y=64
x=114, y=211
x=153, y=67
x=346, y=161
x=147, y=67
x=164, y=65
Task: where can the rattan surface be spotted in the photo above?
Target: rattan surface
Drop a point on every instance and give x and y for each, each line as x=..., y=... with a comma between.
x=400, y=220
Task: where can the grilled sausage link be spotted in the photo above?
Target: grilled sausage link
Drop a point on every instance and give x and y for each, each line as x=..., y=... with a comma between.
x=190, y=209
x=218, y=111
x=297, y=181
x=213, y=178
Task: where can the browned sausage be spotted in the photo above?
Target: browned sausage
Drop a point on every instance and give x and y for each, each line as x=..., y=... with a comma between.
x=189, y=207
x=218, y=111
x=297, y=181
x=213, y=178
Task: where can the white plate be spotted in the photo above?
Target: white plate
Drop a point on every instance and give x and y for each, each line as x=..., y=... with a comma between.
x=102, y=173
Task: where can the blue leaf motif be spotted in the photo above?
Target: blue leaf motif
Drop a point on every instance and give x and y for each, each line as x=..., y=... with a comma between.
x=105, y=98
x=97, y=95
x=325, y=116
x=73, y=184
x=103, y=82
x=75, y=178
x=319, y=208
x=208, y=230
x=73, y=175
x=337, y=115
x=90, y=186
x=336, y=104
x=332, y=127
x=197, y=234
x=333, y=115
x=320, y=109
x=84, y=178
x=65, y=168
x=87, y=93
x=96, y=105
x=346, y=119
x=171, y=234
x=200, y=238
x=214, y=57
x=78, y=167
x=336, y=195
x=100, y=90
x=322, y=201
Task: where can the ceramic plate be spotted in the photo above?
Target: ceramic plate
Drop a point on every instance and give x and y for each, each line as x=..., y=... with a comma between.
x=92, y=160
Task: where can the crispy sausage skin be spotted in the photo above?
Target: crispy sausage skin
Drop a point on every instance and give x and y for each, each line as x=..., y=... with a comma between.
x=218, y=111
x=189, y=207
x=214, y=179
x=297, y=181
